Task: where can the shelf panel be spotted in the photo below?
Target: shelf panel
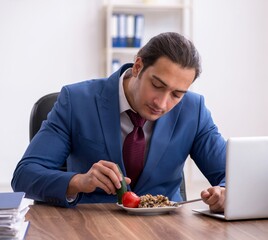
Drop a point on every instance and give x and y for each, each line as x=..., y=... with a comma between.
x=139, y=7
x=124, y=50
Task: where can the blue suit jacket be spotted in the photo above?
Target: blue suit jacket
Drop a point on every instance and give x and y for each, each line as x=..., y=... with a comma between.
x=84, y=126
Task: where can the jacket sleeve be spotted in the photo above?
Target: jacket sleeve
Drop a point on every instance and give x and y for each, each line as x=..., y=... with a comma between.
x=37, y=172
x=209, y=148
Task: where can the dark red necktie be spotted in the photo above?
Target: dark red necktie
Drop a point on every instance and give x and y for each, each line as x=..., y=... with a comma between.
x=134, y=148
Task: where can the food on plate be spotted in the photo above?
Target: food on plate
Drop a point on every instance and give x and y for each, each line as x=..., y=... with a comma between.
x=123, y=188
x=130, y=200
x=150, y=201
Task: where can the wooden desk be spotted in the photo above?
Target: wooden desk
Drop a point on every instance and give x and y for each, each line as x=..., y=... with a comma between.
x=107, y=221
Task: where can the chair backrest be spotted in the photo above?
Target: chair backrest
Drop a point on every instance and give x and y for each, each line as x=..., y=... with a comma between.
x=40, y=111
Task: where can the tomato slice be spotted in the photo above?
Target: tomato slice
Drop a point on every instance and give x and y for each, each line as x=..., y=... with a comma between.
x=131, y=200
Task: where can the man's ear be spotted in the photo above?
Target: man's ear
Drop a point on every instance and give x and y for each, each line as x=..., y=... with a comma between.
x=137, y=67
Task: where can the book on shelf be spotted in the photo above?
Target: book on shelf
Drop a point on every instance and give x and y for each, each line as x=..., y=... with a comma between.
x=13, y=208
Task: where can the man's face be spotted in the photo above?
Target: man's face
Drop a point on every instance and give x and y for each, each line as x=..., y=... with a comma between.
x=159, y=88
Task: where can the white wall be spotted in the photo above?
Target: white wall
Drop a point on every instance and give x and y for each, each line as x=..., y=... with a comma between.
x=232, y=38
x=46, y=44
x=43, y=45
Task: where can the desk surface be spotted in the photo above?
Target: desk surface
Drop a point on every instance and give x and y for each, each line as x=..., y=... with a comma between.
x=108, y=221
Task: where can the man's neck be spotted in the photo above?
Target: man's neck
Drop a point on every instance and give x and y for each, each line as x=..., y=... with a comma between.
x=128, y=74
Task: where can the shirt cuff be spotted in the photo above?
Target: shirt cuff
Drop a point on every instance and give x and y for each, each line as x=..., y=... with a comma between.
x=71, y=199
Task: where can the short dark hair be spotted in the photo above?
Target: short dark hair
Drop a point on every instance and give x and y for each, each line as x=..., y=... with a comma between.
x=175, y=47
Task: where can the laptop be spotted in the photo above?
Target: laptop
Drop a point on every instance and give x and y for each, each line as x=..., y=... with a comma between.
x=246, y=180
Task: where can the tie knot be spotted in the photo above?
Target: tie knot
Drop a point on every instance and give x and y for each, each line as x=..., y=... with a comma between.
x=136, y=119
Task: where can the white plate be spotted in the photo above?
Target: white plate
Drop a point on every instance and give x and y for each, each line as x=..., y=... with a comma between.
x=149, y=211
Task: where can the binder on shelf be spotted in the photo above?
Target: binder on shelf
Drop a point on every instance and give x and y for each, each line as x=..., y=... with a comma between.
x=127, y=30
x=115, y=65
x=122, y=30
x=139, y=26
x=115, y=30
x=130, y=30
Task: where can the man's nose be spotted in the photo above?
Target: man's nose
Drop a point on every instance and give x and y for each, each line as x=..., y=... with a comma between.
x=162, y=101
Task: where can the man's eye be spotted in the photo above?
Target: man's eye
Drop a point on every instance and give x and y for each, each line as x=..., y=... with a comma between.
x=157, y=85
x=176, y=95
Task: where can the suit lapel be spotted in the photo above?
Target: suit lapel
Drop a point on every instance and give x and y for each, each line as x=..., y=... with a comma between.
x=109, y=113
x=108, y=107
x=160, y=139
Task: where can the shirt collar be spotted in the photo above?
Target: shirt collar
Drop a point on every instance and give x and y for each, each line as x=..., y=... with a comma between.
x=123, y=103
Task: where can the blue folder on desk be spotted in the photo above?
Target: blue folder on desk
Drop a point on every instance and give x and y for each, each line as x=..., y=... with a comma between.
x=10, y=200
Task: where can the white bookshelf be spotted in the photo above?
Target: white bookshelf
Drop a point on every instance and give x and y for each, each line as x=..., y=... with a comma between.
x=158, y=17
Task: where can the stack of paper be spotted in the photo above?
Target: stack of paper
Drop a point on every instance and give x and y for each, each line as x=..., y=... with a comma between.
x=13, y=207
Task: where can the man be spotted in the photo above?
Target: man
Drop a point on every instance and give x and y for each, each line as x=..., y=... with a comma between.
x=89, y=124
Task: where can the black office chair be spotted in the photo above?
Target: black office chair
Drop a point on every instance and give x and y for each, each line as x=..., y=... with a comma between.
x=39, y=113
x=40, y=110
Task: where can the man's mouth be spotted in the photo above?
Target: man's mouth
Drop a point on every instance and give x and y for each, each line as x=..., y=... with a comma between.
x=155, y=111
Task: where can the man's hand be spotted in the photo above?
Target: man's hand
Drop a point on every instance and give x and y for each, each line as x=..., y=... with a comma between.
x=103, y=174
x=215, y=198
